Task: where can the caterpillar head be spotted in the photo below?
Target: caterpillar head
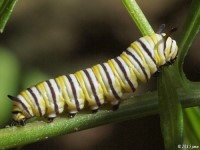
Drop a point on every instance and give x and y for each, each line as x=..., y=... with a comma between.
x=166, y=46
x=20, y=112
x=171, y=46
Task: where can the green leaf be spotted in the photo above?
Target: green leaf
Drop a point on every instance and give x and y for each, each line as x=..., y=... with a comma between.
x=171, y=116
x=6, y=8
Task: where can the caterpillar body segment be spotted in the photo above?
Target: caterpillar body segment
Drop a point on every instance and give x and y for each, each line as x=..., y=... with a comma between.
x=106, y=82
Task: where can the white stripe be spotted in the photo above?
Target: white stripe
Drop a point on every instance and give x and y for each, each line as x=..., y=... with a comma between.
x=114, y=79
x=57, y=92
x=131, y=50
x=33, y=103
x=160, y=43
x=150, y=63
x=23, y=100
x=135, y=64
x=130, y=76
x=50, y=99
x=40, y=100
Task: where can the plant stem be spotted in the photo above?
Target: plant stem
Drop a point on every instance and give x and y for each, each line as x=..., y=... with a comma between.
x=171, y=115
x=188, y=34
x=6, y=9
x=138, y=17
x=135, y=107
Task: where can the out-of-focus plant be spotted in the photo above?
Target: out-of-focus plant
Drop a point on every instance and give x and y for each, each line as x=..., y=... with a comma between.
x=9, y=77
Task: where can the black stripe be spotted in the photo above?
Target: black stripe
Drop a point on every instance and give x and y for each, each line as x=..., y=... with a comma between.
x=92, y=87
x=110, y=82
x=171, y=47
x=138, y=62
x=156, y=50
x=19, y=101
x=16, y=112
x=147, y=51
x=53, y=96
x=125, y=74
x=164, y=40
x=36, y=100
x=74, y=92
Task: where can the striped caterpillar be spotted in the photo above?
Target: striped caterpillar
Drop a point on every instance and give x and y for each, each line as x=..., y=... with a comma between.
x=103, y=82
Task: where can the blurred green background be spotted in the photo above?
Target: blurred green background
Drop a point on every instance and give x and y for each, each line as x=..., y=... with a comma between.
x=45, y=39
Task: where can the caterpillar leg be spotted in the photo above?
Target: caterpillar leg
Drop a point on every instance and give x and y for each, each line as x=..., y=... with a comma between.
x=115, y=107
x=170, y=62
x=157, y=72
x=115, y=104
x=22, y=122
x=95, y=111
x=51, y=116
x=50, y=119
x=72, y=114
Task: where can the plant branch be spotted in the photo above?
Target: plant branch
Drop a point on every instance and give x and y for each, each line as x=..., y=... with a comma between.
x=138, y=17
x=134, y=107
x=6, y=8
x=188, y=34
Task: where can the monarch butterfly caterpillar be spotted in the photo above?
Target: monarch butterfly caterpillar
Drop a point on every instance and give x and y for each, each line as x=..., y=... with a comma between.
x=103, y=82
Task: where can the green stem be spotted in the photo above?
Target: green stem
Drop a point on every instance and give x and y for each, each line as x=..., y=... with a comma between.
x=138, y=17
x=171, y=115
x=188, y=34
x=192, y=121
x=135, y=107
x=6, y=9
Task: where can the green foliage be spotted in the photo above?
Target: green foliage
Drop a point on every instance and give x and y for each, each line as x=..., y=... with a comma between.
x=9, y=77
x=174, y=92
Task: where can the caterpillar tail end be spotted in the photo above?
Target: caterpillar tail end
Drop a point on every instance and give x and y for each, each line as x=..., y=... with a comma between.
x=13, y=98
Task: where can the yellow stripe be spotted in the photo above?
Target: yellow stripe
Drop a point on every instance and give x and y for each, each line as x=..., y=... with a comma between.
x=61, y=81
x=168, y=48
x=155, y=40
x=99, y=78
x=61, y=84
x=81, y=81
x=151, y=42
x=111, y=64
x=34, y=109
x=19, y=117
x=132, y=68
x=96, y=70
x=137, y=50
x=42, y=90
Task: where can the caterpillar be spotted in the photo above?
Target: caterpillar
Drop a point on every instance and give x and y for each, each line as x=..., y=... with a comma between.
x=105, y=82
